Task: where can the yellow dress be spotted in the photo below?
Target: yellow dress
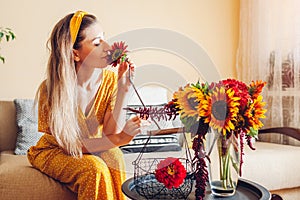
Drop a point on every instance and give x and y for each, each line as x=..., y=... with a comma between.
x=92, y=176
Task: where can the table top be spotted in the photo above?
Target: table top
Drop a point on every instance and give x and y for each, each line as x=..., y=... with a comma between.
x=245, y=190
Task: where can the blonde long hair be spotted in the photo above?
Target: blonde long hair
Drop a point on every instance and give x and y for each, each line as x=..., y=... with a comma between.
x=61, y=85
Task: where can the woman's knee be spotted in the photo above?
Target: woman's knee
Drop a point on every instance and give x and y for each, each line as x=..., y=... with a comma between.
x=112, y=154
x=94, y=164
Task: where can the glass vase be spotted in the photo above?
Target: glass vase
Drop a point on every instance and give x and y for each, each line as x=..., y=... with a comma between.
x=223, y=163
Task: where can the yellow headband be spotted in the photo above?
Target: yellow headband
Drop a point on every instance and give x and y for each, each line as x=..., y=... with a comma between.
x=75, y=24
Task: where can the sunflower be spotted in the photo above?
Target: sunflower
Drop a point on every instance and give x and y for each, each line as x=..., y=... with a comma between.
x=224, y=109
x=117, y=53
x=255, y=112
x=256, y=88
x=204, y=108
x=187, y=100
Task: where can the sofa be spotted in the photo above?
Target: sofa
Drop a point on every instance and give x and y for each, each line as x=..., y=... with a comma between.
x=274, y=166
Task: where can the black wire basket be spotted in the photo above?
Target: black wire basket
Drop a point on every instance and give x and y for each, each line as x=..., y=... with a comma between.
x=146, y=184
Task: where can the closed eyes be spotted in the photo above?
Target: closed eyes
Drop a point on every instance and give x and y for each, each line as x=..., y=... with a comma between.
x=98, y=40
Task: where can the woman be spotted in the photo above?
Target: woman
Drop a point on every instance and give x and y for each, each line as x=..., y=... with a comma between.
x=79, y=106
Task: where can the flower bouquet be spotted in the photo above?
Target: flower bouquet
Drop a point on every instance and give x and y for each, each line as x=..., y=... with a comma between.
x=222, y=116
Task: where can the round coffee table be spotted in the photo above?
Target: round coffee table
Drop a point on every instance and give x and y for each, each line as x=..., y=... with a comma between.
x=245, y=190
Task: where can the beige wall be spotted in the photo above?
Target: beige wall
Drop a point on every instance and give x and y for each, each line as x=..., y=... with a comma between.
x=213, y=24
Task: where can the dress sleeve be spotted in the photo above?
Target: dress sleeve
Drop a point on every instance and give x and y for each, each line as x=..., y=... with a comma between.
x=43, y=110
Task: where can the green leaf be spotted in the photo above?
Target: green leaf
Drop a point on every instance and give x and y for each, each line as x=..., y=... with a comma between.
x=253, y=132
x=13, y=36
x=8, y=33
x=123, y=58
x=2, y=59
x=197, y=85
x=188, y=122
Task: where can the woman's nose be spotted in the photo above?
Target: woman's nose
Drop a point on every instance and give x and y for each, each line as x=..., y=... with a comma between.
x=107, y=47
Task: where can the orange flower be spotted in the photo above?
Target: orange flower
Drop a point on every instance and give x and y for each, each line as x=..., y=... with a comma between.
x=255, y=112
x=170, y=172
x=256, y=88
x=187, y=100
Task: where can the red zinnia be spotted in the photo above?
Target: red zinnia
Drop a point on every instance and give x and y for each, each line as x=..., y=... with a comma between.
x=170, y=172
x=117, y=53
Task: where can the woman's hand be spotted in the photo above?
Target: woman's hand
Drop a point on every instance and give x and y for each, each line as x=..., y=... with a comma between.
x=108, y=141
x=131, y=129
x=125, y=75
x=132, y=126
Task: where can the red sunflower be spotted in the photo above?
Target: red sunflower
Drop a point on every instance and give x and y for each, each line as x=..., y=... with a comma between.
x=117, y=53
x=170, y=172
x=224, y=109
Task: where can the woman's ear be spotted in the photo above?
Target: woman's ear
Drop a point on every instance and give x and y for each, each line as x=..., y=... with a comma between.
x=76, y=55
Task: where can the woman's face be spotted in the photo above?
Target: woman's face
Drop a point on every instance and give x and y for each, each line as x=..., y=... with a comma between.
x=94, y=50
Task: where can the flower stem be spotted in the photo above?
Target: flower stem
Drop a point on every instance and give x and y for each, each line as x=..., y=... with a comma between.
x=224, y=160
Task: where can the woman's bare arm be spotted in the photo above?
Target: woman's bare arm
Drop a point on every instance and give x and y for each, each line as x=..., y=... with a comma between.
x=114, y=118
x=131, y=128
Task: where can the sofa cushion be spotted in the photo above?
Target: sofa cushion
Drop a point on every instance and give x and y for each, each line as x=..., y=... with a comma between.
x=26, y=118
x=8, y=127
x=274, y=166
x=18, y=180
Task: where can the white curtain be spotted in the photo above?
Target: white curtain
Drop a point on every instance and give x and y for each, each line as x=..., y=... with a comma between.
x=269, y=50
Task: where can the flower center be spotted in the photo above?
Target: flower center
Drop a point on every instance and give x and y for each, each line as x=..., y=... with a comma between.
x=171, y=170
x=240, y=122
x=253, y=112
x=192, y=102
x=116, y=54
x=219, y=110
